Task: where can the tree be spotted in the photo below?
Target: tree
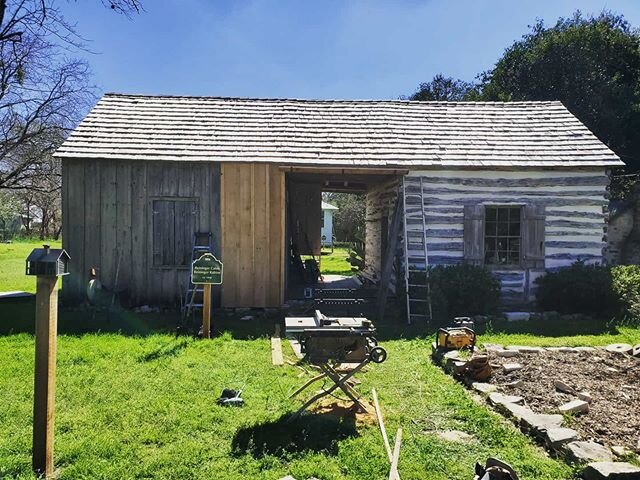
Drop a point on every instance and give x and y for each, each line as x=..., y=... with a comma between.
x=443, y=88
x=348, y=221
x=43, y=92
x=591, y=64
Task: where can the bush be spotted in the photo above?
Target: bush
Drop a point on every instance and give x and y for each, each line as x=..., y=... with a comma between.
x=462, y=290
x=579, y=288
x=625, y=282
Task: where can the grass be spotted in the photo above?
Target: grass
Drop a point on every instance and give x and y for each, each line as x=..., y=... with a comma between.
x=12, y=258
x=336, y=263
x=144, y=406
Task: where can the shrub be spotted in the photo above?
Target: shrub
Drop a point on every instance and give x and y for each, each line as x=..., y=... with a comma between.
x=579, y=288
x=462, y=290
x=625, y=282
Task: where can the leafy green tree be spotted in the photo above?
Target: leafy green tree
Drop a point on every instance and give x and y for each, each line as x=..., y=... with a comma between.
x=443, y=88
x=591, y=64
x=348, y=221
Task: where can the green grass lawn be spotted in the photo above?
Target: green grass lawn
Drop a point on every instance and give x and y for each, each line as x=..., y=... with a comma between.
x=12, y=264
x=335, y=263
x=144, y=407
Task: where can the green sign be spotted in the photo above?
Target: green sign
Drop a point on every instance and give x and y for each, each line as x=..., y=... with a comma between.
x=206, y=270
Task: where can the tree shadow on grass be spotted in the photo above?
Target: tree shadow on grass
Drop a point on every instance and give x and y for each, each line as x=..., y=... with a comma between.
x=307, y=433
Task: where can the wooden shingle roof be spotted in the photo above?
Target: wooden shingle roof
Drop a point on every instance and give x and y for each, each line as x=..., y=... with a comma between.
x=362, y=133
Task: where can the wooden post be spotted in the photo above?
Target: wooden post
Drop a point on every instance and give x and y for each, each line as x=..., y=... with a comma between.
x=206, y=311
x=45, y=374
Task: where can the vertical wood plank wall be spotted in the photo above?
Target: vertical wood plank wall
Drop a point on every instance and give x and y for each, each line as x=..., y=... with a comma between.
x=108, y=221
x=253, y=216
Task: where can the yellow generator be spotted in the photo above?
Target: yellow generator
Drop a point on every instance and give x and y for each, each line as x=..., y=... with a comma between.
x=456, y=338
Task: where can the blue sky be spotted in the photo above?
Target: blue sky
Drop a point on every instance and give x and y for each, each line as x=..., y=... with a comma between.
x=306, y=48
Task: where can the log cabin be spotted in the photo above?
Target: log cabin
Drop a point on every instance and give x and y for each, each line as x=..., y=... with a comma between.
x=520, y=187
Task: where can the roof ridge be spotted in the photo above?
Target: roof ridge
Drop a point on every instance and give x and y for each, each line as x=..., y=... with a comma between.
x=334, y=100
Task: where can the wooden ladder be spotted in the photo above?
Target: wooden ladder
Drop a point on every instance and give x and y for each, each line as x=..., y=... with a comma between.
x=416, y=262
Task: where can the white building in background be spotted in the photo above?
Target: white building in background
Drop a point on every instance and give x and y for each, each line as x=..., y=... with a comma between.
x=326, y=233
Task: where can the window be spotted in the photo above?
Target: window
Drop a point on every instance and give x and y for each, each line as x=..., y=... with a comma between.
x=174, y=223
x=502, y=235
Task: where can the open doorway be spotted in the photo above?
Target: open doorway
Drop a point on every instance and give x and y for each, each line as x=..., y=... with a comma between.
x=335, y=224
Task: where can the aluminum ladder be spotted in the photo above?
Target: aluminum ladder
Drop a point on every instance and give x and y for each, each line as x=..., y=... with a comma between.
x=193, y=295
x=417, y=293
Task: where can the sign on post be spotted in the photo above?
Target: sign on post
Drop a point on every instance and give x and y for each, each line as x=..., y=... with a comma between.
x=206, y=270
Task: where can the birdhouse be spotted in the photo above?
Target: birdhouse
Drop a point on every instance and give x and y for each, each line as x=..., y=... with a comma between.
x=50, y=262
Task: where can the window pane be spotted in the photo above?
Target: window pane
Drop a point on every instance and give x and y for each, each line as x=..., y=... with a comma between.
x=502, y=235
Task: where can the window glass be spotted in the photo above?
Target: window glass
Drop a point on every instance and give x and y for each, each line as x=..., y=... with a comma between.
x=502, y=235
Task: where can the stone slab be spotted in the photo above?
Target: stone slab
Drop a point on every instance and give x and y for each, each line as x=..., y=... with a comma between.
x=555, y=438
x=497, y=398
x=611, y=471
x=507, y=353
x=511, y=367
x=574, y=406
x=587, y=452
x=483, y=388
x=619, y=348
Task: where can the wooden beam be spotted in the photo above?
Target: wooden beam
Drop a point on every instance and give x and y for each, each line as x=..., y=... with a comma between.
x=45, y=374
x=276, y=348
x=345, y=171
x=206, y=311
x=392, y=243
x=383, y=430
x=393, y=471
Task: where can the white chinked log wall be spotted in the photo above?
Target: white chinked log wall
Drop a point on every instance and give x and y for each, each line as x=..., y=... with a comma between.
x=574, y=200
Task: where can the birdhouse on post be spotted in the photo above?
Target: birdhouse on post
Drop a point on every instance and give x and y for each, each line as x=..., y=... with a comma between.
x=47, y=264
x=52, y=262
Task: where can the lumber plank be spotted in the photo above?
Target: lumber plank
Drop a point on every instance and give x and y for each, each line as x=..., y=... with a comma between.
x=276, y=347
x=383, y=430
x=393, y=471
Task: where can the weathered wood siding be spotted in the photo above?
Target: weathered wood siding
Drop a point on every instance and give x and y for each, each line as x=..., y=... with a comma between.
x=108, y=219
x=253, y=216
x=574, y=204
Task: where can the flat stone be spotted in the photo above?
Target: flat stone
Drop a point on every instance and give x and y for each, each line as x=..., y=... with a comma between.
x=619, y=450
x=490, y=347
x=483, y=388
x=456, y=366
x=516, y=384
x=585, y=349
x=567, y=350
x=496, y=398
x=636, y=351
x=574, y=406
x=511, y=367
x=455, y=436
x=557, y=437
x=587, y=452
x=288, y=477
x=507, y=353
x=611, y=471
x=530, y=349
x=563, y=387
x=585, y=396
x=515, y=411
x=452, y=354
x=539, y=423
x=619, y=348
